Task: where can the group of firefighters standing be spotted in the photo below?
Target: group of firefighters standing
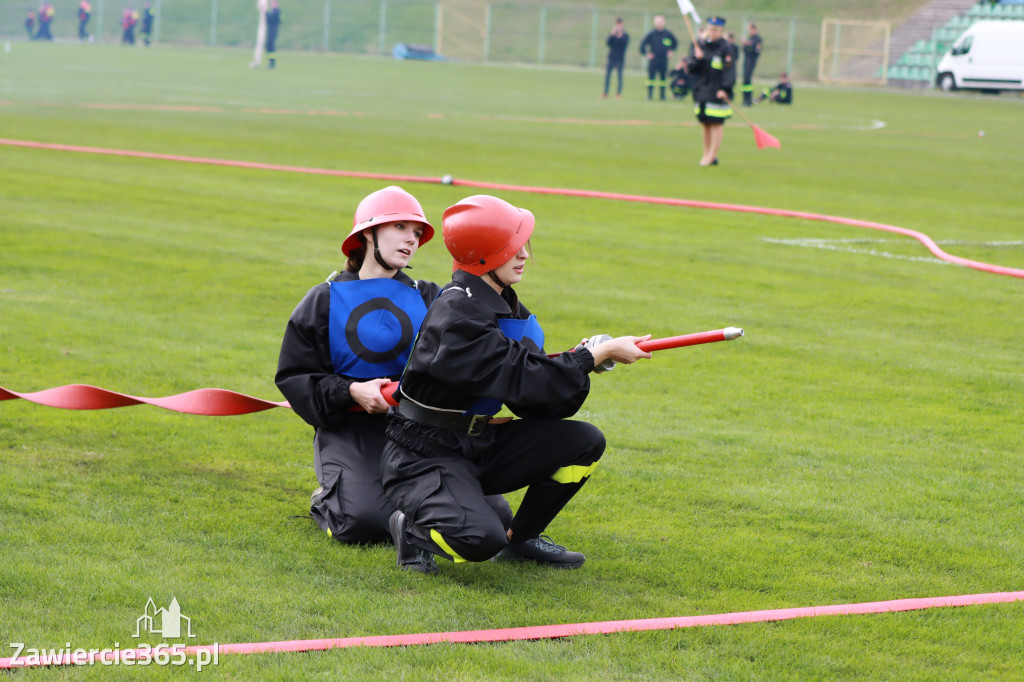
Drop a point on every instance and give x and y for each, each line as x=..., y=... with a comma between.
x=708, y=71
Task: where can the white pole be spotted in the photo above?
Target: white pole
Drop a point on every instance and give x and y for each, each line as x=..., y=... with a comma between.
x=261, y=34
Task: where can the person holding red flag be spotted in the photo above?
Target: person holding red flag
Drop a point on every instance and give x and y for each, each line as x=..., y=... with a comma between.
x=479, y=348
x=713, y=64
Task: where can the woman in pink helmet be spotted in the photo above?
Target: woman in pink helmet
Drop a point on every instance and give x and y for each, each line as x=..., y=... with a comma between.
x=345, y=341
x=479, y=348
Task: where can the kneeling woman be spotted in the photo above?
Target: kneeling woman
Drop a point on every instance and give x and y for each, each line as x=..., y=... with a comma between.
x=479, y=348
x=346, y=340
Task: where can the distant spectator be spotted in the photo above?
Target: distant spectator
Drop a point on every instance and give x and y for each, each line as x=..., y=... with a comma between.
x=751, y=52
x=680, y=82
x=730, y=38
x=30, y=23
x=84, y=12
x=128, y=20
x=657, y=47
x=618, y=41
x=781, y=93
x=147, y=25
x=45, y=16
x=273, y=24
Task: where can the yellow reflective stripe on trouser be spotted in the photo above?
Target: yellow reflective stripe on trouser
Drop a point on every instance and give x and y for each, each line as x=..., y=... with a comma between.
x=439, y=541
x=748, y=88
x=715, y=110
x=573, y=474
x=655, y=81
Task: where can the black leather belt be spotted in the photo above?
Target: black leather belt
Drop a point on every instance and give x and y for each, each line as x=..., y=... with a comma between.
x=472, y=424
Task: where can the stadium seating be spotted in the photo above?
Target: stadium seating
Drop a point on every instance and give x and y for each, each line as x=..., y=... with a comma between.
x=919, y=62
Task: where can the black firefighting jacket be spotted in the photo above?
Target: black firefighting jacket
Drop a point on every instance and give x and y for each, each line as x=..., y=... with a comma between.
x=461, y=355
x=305, y=373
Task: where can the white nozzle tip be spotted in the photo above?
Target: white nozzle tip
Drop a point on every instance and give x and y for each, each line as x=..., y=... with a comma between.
x=731, y=333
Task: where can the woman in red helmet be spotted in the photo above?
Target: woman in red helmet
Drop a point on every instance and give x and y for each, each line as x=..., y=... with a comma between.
x=345, y=341
x=479, y=348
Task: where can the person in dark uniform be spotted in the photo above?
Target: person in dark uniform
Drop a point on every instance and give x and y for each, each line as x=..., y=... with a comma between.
x=128, y=20
x=618, y=41
x=346, y=339
x=751, y=51
x=657, y=47
x=84, y=12
x=712, y=63
x=30, y=23
x=781, y=93
x=679, y=80
x=147, y=25
x=45, y=17
x=273, y=24
x=730, y=38
x=480, y=348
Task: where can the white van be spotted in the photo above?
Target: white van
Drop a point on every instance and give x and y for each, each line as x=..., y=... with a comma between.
x=987, y=56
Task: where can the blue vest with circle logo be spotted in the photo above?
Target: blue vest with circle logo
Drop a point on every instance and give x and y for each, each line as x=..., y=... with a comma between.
x=372, y=325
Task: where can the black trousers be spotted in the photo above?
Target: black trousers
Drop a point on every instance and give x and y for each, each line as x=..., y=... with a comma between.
x=748, y=76
x=444, y=497
x=351, y=506
x=657, y=70
x=613, y=66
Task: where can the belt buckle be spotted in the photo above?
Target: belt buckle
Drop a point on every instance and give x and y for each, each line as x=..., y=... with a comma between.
x=477, y=423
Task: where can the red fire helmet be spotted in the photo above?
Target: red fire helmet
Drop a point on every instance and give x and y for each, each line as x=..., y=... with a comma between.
x=388, y=205
x=483, y=232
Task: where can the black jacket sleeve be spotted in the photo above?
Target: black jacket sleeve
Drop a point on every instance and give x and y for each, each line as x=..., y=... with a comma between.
x=305, y=373
x=472, y=353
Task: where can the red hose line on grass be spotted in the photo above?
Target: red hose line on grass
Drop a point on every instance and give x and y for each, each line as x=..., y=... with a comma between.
x=217, y=402
x=688, y=203
x=547, y=631
x=210, y=402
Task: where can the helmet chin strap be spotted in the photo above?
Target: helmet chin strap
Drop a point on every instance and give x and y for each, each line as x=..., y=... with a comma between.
x=497, y=280
x=377, y=255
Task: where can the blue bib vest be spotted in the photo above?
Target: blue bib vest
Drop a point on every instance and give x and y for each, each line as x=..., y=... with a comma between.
x=372, y=324
x=529, y=333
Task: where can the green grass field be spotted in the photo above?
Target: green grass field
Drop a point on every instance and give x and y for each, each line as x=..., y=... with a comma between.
x=861, y=443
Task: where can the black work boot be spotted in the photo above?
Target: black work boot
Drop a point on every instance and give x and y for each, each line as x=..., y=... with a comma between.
x=541, y=550
x=409, y=558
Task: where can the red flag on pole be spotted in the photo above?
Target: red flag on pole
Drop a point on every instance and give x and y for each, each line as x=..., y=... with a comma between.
x=763, y=139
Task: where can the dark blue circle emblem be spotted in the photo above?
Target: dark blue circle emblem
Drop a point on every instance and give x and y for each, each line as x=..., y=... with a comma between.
x=375, y=323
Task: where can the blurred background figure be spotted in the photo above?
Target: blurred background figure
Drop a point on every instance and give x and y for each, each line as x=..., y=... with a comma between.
x=147, y=25
x=657, y=48
x=128, y=20
x=751, y=51
x=84, y=12
x=45, y=17
x=781, y=93
x=30, y=23
x=680, y=82
x=730, y=38
x=273, y=24
x=618, y=41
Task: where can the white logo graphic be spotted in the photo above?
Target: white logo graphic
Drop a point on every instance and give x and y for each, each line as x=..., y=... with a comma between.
x=170, y=621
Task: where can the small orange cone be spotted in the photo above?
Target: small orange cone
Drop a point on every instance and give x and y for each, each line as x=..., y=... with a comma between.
x=763, y=139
